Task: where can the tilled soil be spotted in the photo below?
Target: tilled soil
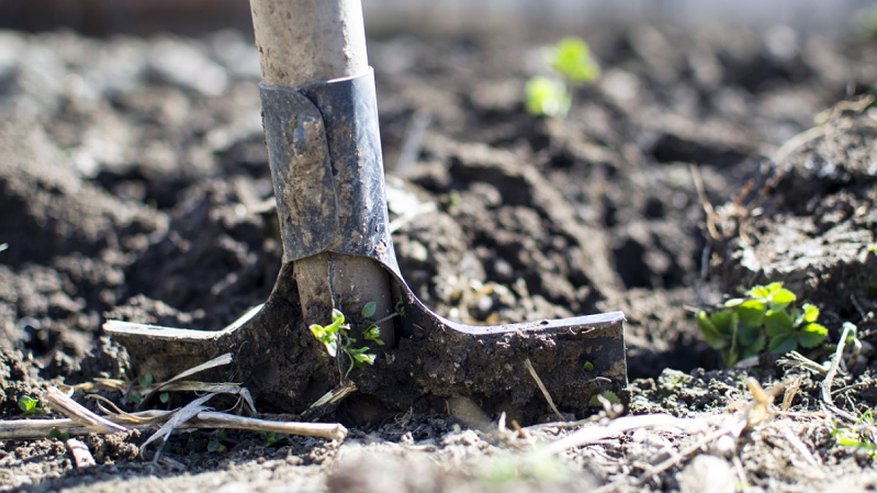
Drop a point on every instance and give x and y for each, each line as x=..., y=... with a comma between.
x=134, y=185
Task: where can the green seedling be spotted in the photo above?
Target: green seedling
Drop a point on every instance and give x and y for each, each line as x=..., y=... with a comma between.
x=270, y=438
x=766, y=317
x=572, y=65
x=609, y=395
x=339, y=331
x=368, y=309
x=858, y=437
x=214, y=446
x=29, y=406
x=571, y=58
x=135, y=394
x=4, y=246
x=547, y=97
x=56, y=434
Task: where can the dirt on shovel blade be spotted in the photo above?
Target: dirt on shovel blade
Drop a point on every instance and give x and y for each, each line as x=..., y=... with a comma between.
x=134, y=185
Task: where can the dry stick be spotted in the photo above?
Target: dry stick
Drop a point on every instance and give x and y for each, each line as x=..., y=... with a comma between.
x=332, y=431
x=708, y=209
x=413, y=141
x=734, y=429
x=34, y=429
x=221, y=360
x=596, y=433
x=62, y=403
x=835, y=363
x=541, y=386
x=82, y=457
x=798, y=445
x=177, y=418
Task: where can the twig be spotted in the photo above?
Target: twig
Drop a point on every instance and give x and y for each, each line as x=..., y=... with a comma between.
x=34, y=429
x=791, y=392
x=177, y=418
x=221, y=360
x=331, y=431
x=798, y=445
x=797, y=141
x=334, y=396
x=595, y=433
x=734, y=429
x=835, y=363
x=62, y=403
x=709, y=211
x=542, y=388
x=82, y=457
x=413, y=140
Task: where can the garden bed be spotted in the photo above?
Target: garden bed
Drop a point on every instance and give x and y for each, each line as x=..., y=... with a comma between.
x=134, y=185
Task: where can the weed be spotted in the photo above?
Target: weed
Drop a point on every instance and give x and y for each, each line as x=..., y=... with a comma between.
x=56, y=434
x=135, y=394
x=339, y=331
x=29, y=406
x=215, y=446
x=270, y=438
x=608, y=395
x=765, y=318
x=858, y=437
x=571, y=63
x=571, y=58
x=544, y=96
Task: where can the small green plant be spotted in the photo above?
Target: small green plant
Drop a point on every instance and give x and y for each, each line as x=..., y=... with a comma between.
x=609, y=395
x=571, y=58
x=270, y=438
x=572, y=65
x=339, y=331
x=135, y=394
x=4, y=246
x=29, y=406
x=858, y=437
x=56, y=434
x=546, y=96
x=865, y=21
x=766, y=317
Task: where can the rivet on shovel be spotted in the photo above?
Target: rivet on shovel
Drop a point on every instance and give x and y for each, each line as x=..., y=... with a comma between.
x=321, y=127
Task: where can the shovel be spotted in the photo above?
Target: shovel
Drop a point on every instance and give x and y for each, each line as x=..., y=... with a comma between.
x=320, y=121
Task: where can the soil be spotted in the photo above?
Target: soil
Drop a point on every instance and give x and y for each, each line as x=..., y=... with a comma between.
x=134, y=185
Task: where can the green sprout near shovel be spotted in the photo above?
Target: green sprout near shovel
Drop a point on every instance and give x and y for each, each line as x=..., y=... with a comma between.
x=572, y=65
x=766, y=317
x=339, y=331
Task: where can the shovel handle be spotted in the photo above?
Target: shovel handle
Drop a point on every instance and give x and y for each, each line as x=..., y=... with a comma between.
x=305, y=41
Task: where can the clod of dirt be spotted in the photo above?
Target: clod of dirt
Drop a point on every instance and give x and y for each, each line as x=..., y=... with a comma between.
x=17, y=378
x=812, y=224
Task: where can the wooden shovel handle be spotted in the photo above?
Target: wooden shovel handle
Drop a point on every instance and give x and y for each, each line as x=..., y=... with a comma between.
x=306, y=41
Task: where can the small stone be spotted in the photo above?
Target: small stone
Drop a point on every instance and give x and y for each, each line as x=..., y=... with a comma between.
x=707, y=474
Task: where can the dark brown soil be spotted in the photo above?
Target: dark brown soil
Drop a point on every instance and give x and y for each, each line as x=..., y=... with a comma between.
x=134, y=184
